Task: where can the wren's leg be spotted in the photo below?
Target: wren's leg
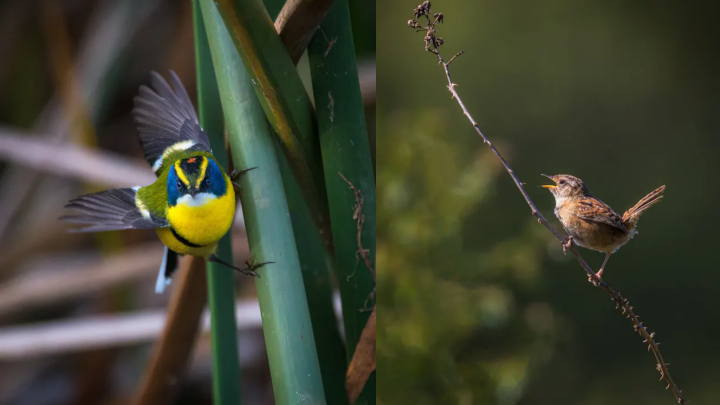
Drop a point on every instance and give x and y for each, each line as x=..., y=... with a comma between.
x=250, y=271
x=567, y=243
x=599, y=273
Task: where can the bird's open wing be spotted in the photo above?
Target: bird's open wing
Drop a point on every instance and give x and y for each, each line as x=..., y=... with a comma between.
x=591, y=209
x=111, y=210
x=166, y=120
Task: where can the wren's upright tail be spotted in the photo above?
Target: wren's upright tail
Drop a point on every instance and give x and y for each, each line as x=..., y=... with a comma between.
x=631, y=216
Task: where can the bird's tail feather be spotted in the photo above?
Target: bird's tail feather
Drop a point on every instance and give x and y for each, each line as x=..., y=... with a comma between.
x=167, y=269
x=631, y=216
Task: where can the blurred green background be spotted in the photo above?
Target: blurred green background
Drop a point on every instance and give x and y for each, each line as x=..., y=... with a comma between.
x=478, y=303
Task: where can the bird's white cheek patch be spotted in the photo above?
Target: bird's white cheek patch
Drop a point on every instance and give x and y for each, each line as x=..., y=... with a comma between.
x=200, y=199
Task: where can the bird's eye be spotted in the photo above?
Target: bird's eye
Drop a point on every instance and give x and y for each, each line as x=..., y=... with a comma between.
x=179, y=185
x=207, y=181
x=562, y=182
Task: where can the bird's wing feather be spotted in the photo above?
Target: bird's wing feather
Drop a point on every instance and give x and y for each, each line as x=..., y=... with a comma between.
x=111, y=210
x=591, y=209
x=166, y=120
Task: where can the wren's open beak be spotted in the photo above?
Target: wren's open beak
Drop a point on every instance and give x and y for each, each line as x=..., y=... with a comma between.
x=547, y=185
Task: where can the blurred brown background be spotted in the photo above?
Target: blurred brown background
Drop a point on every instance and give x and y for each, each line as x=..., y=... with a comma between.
x=78, y=313
x=478, y=303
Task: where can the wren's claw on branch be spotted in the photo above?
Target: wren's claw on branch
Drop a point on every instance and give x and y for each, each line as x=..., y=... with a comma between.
x=599, y=273
x=567, y=244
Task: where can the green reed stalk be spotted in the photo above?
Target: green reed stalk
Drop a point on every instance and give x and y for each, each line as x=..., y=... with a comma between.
x=287, y=326
x=221, y=297
x=346, y=151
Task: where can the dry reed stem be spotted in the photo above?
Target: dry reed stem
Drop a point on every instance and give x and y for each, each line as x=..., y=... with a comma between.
x=363, y=361
x=297, y=23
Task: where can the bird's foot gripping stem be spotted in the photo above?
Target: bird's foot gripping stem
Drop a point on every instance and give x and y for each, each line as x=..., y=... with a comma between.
x=249, y=271
x=235, y=176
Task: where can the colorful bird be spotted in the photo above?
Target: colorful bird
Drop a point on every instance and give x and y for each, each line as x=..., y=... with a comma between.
x=192, y=203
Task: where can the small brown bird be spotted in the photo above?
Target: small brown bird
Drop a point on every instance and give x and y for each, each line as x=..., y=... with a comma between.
x=590, y=222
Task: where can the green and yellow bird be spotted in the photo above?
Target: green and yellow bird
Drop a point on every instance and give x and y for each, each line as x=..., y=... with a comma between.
x=192, y=203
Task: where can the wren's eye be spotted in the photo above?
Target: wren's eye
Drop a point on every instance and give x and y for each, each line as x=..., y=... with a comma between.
x=179, y=185
x=562, y=182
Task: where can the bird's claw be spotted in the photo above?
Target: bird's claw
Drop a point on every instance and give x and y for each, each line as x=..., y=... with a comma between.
x=234, y=176
x=250, y=270
x=567, y=244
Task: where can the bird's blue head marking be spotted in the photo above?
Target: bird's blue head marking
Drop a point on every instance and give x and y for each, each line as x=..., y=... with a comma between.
x=175, y=188
x=214, y=182
x=194, y=176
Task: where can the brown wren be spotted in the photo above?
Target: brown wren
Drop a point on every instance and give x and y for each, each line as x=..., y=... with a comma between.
x=590, y=222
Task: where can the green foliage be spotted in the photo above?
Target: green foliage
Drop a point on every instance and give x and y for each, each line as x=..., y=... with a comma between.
x=450, y=315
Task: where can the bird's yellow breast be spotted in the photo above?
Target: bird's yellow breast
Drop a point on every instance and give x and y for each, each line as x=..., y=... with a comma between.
x=174, y=244
x=201, y=221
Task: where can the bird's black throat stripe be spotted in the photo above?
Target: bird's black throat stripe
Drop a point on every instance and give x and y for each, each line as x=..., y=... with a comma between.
x=183, y=240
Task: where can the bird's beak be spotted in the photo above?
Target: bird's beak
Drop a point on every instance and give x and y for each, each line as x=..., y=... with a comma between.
x=193, y=191
x=547, y=185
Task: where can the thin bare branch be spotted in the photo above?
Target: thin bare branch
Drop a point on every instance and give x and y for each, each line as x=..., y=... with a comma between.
x=432, y=44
